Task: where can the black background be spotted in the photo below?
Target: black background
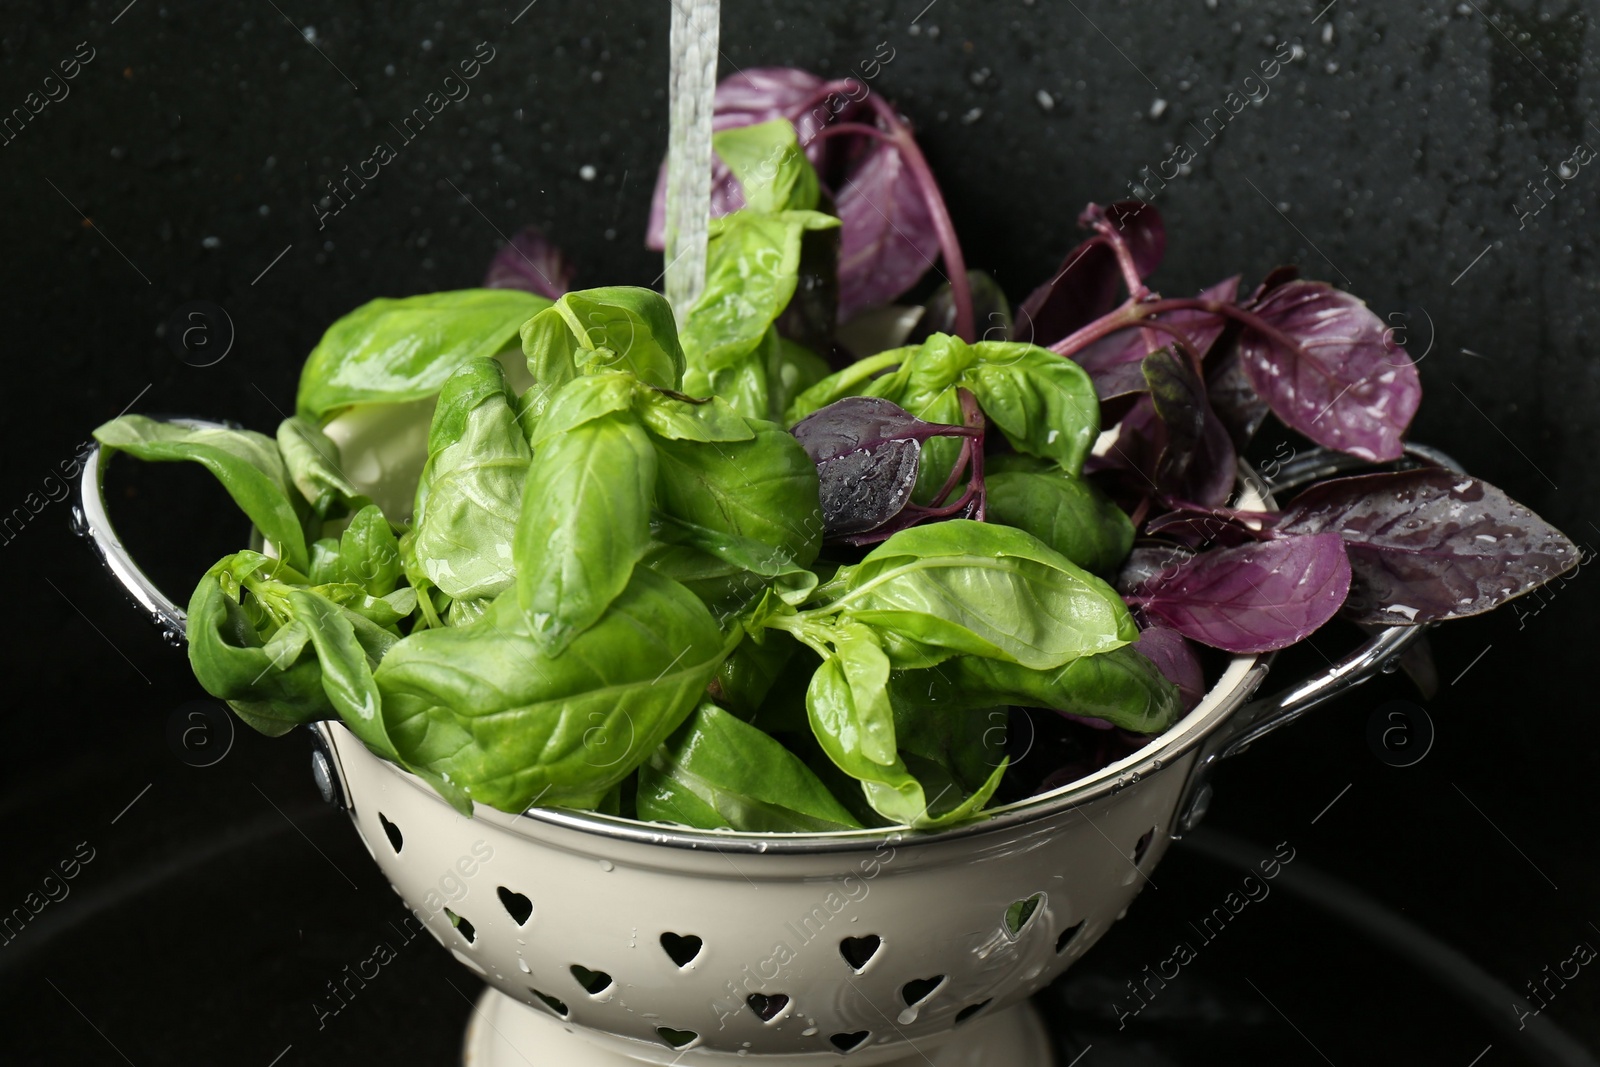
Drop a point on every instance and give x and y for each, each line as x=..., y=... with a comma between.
x=1389, y=159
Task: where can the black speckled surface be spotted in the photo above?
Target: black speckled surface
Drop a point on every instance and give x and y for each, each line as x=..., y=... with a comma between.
x=1391, y=157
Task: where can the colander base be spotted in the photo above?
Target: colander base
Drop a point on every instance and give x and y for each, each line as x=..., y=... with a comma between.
x=506, y=1033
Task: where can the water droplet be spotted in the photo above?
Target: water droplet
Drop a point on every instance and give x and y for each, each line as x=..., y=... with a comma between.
x=523, y=964
x=79, y=524
x=607, y=865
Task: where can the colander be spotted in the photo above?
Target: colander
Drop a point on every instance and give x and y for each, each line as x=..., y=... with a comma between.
x=604, y=941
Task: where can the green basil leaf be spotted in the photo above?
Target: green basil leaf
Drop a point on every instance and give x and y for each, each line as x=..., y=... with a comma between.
x=751, y=670
x=1066, y=513
x=892, y=790
x=985, y=590
x=246, y=463
x=1044, y=404
x=764, y=489
x=346, y=670
x=325, y=564
x=764, y=565
x=585, y=522
x=583, y=400
x=470, y=495
x=313, y=464
x=623, y=328
x=752, y=268
x=792, y=369
x=679, y=418
x=847, y=382
x=772, y=170
x=390, y=351
x=1121, y=686
x=369, y=553
x=718, y=772
x=266, y=682
x=484, y=707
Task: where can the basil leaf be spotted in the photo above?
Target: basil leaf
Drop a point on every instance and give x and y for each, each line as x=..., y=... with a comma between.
x=486, y=708
x=749, y=673
x=730, y=570
x=752, y=267
x=681, y=419
x=837, y=720
x=851, y=381
x=313, y=464
x=624, y=328
x=984, y=590
x=766, y=158
x=585, y=522
x=1068, y=514
x=325, y=565
x=389, y=351
x=1122, y=687
x=246, y=463
x=369, y=552
x=346, y=670
x=271, y=688
x=763, y=489
x=1044, y=404
x=470, y=493
x=583, y=400
x=718, y=772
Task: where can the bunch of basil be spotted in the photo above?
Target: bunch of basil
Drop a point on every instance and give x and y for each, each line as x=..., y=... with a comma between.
x=678, y=567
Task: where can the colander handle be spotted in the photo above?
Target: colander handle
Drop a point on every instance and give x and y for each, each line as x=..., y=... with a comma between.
x=96, y=526
x=1380, y=653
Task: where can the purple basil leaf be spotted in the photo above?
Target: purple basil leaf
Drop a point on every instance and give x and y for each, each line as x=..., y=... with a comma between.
x=758, y=94
x=1148, y=563
x=1177, y=660
x=1430, y=544
x=1113, y=362
x=530, y=261
x=1279, y=275
x=1202, y=530
x=868, y=452
x=1089, y=284
x=1197, y=461
x=1233, y=398
x=887, y=239
x=1254, y=598
x=1330, y=369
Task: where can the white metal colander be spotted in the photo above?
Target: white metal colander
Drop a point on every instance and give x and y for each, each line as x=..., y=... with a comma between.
x=606, y=941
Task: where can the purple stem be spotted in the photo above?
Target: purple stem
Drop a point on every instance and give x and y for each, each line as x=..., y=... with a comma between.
x=949, y=246
x=899, y=135
x=1119, y=245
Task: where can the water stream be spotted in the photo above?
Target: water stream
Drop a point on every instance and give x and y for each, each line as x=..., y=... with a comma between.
x=695, y=29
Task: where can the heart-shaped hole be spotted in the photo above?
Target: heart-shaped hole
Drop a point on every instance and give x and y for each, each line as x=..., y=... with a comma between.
x=858, y=951
x=463, y=927
x=846, y=1042
x=767, y=1006
x=396, y=840
x=970, y=1010
x=1067, y=935
x=1020, y=911
x=677, y=1038
x=919, y=989
x=555, y=1005
x=683, y=948
x=593, y=982
x=519, y=907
